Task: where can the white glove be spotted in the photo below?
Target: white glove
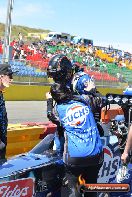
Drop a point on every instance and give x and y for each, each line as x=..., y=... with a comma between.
x=48, y=95
x=2, y=145
x=122, y=174
x=89, y=85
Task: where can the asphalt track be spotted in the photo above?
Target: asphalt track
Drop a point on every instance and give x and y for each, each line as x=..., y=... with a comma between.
x=28, y=111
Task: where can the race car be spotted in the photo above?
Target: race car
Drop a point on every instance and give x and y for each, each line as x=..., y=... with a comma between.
x=40, y=172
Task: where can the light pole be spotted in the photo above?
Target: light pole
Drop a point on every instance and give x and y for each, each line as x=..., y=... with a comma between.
x=6, y=47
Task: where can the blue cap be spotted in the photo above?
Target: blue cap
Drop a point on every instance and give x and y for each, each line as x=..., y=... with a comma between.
x=128, y=91
x=82, y=83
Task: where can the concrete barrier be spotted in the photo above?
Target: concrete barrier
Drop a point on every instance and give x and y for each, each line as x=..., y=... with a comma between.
x=26, y=93
x=37, y=93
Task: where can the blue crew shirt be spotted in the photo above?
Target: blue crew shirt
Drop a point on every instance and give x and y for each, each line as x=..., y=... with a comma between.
x=82, y=135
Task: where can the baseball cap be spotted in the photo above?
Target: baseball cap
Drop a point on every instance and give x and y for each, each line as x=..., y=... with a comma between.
x=5, y=69
x=82, y=83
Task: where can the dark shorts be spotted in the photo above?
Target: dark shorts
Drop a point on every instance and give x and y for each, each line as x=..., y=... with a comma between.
x=89, y=174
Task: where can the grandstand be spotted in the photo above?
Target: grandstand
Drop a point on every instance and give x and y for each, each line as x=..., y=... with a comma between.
x=104, y=64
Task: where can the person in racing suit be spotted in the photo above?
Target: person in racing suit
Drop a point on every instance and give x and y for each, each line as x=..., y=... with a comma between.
x=83, y=151
x=70, y=75
x=63, y=71
x=5, y=79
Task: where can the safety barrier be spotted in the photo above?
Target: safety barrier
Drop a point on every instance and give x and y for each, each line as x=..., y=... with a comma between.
x=50, y=127
x=23, y=137
x=26, y=93
x=37, y=93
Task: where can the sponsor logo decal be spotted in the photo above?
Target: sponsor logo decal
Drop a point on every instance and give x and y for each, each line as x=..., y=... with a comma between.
x=17, y=188
x=84, y=187
x=76, y=115
x=122, y=174
x=110, y=165
x=108, y=152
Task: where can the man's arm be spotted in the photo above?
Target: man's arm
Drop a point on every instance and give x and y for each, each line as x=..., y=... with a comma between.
x=50, y=114
x=128, y=146
x=3, y=122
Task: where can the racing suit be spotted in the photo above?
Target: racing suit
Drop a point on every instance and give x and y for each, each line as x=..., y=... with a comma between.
x=83, y=148
x=3, y=125
x=59, y=134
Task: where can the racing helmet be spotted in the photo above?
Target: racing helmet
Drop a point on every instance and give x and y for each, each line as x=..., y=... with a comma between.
x=59, y=68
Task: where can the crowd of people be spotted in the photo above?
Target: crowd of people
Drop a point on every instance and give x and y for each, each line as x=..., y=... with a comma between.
x=95, y=58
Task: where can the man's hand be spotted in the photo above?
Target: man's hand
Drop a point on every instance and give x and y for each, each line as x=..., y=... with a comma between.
x=2, y=145
x=124, y=158
x=128, y=147
x=48, y=95
x=89, y=85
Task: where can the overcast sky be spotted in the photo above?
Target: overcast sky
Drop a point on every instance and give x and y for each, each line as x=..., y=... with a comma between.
x=106, y=22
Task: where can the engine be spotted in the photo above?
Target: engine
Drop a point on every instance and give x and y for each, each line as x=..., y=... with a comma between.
x=121, y=123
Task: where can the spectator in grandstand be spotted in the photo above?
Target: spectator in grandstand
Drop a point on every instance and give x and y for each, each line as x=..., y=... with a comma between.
x=16, y=55
x=83, y=155
x=5, y=80
x=22, y=54
x=128, y=147
x=20, y=38
x=90, y=49
x=123, y=64
x=120, y=77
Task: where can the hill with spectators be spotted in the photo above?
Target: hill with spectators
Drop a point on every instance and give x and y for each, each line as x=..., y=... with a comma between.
x=24, y=30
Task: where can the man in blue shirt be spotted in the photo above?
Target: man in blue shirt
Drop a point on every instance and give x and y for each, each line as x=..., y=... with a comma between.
x=83, y=152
